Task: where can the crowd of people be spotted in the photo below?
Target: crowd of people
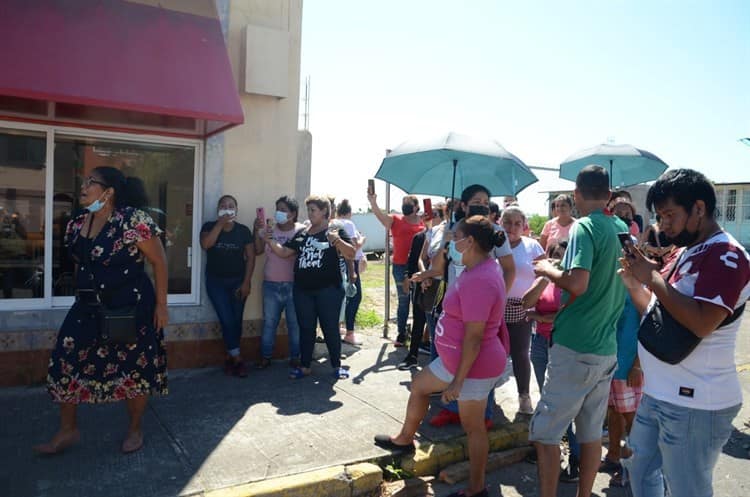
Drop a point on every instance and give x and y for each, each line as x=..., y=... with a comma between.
x=568, y=314
x=568, y=305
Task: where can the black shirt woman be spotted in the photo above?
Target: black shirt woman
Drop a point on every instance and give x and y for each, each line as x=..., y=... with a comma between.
x=229, y=269
x=318, y=291
x=109, y=241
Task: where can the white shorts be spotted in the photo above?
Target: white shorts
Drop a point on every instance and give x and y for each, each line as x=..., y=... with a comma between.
x=472, y=389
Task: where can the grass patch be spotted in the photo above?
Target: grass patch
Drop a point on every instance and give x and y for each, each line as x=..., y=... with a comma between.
x=374, y=277
x=367, y=318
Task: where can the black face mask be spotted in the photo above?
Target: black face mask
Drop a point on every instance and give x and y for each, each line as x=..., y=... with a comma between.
x=478, y=210
x=684, y=237
x=407, y=209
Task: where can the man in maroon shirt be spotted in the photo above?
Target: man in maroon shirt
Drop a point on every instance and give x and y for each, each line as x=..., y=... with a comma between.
x=403, y=228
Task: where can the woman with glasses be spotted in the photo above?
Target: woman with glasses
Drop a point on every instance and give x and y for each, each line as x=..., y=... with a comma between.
x=110, y=242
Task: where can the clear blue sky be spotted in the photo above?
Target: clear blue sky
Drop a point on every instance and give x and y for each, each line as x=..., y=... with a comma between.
x=543, y=78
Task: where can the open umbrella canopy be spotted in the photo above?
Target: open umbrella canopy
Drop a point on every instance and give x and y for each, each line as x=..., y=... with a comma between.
x=447, y=164
x=625, y=164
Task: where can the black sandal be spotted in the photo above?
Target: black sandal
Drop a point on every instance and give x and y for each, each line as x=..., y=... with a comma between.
x=385, y=442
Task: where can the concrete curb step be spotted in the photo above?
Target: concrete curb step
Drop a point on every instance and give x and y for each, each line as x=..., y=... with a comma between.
x=365, y=478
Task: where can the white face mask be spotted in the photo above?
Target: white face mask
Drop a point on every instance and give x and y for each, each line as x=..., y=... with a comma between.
x=224, y=212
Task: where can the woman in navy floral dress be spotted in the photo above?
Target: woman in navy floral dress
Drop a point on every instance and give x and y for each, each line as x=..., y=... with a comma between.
x=118, y=237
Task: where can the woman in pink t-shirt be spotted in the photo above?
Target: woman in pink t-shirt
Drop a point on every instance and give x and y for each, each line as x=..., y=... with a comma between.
x=558, y=228
x=471, y=356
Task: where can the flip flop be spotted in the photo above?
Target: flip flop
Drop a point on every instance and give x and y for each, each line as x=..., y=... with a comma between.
x=132, y=443
x=49, y=449
x=385, y=442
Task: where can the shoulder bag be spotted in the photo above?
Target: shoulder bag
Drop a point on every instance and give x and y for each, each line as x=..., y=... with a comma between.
x=116, y=325
x=665, y=338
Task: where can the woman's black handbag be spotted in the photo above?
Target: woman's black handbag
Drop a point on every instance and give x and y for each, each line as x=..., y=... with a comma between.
x=666, y=339
x=118, y=325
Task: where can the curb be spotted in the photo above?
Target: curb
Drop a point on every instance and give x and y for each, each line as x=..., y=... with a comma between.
x=355, y=480
x=365, y=479
x=430, y=458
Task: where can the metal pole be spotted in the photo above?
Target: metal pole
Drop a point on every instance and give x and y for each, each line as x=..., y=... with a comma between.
x=387, y=263
x=453, y=189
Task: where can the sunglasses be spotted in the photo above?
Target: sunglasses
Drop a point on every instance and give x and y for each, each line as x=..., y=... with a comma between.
x=93, y=181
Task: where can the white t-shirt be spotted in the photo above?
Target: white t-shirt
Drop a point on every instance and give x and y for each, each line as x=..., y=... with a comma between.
x=351, y=231
x=716, y=271
x=523, y=256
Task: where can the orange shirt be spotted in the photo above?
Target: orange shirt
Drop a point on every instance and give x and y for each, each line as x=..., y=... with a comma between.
x=403, y=231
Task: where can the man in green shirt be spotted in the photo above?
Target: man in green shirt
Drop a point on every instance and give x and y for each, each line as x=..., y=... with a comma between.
x=583, y=356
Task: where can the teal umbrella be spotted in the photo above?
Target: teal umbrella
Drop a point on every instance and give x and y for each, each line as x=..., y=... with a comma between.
x=449, y=163
x=625, y=164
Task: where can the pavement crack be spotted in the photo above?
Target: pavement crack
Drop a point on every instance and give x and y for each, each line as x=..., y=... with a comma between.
x=179, y=449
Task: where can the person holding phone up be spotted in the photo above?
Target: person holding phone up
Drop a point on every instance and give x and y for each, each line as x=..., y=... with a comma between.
x=318, y=291
x=229, y=269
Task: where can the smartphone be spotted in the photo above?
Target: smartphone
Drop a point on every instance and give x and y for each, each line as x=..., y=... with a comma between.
x=625, y=241
x=427, y=208
x=371, y=187
x=260, y=213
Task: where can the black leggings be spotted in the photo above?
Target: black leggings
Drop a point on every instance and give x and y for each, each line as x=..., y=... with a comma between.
x=520, y=341
x=418, y=320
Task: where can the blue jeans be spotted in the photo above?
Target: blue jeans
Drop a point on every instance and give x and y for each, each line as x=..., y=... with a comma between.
x=221, y=293
x=402, y=314
x=539, y=356
x=277, y=297
x=321, y=305
x=677, y=446
x=352, y=304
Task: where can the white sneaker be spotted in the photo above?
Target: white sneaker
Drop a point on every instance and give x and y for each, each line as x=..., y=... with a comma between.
x=524, y=404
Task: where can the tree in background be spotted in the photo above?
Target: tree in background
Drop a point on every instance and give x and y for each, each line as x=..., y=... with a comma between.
x=536, y=223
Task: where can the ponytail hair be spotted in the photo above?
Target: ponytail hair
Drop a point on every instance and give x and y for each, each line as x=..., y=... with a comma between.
x=129, y=191
x=482, y=231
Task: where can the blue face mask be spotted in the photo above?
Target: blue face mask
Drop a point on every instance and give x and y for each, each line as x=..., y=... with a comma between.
x=456, y=256
x=281, y=217
x=95, y=206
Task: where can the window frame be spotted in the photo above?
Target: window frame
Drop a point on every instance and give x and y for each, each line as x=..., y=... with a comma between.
x=49, y=301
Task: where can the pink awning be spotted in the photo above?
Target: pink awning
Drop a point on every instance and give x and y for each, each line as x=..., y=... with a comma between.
x=116, y=64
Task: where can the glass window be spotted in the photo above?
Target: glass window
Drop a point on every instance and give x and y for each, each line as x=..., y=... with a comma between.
x=731, y=205
x=167, y=172
x=746, y=204
x=719, y=204
x=22, y=180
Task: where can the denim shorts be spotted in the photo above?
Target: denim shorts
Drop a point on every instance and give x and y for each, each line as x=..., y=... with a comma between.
x=473, y=388
x=577, y=387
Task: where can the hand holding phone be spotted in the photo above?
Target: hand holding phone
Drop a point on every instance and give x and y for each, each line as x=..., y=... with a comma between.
x=427, y=209
x=260, y=213
x=371, y=187
x=627, y=243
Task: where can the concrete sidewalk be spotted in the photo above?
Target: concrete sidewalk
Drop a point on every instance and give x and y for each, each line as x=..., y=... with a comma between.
x=216, y=432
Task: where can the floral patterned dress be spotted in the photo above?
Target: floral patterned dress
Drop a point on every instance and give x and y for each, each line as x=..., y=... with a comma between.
x=80, y=368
